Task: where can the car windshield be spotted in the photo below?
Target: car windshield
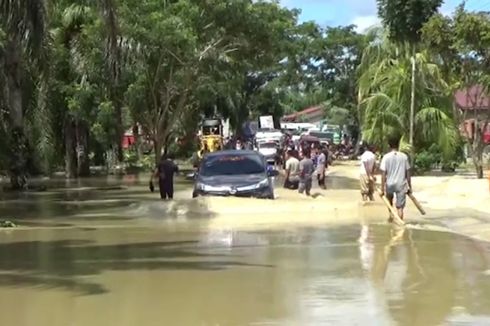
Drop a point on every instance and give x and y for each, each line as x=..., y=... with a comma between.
x=232, y=165
x=268, y=145
x=267, y=130
x=321, y=135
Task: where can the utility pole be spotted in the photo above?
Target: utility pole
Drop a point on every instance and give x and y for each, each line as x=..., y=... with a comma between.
x=412, y=100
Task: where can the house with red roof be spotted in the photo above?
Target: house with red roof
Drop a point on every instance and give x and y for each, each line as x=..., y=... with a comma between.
x=310, y=115
x=474, y=104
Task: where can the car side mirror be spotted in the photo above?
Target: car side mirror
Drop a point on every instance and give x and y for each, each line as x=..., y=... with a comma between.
x=191, y=176
x=273, y=173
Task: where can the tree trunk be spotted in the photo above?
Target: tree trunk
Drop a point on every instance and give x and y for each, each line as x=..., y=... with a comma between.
x=166, y=144
x=157, y=143
x=18, y=163
x=477, y=158
x=477, y=151
x=70, y=153
x=137, y=141
x=83, y=166
x=412, y=98
x=119, y=131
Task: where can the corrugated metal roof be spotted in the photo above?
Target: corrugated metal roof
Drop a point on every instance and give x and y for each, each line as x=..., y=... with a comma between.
x=475, y=97
x=307, y=111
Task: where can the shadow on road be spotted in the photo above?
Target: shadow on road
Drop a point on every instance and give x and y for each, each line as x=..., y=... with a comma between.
x=62, y=264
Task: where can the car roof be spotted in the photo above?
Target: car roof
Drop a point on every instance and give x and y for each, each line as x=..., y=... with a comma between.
x=237, y=152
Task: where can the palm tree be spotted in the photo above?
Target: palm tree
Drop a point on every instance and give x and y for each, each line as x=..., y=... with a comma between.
x=113, y=61
x=73, y=71
x=23, y=24
x=385, y=96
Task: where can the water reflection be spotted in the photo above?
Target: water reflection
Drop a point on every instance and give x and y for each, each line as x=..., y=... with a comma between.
x=369, y=275
x=419, y=277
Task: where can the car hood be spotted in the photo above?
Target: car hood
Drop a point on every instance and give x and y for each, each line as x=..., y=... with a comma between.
x=232, y=180
x=267, y=151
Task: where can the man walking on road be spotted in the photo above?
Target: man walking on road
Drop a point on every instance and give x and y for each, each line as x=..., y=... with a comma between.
x=367, y=170
x=165, y=174
x=292, y=171
x=306, y=170
x=396, y=181
x=321, y=167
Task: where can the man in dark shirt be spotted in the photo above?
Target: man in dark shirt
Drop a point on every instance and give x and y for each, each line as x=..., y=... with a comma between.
x=306, y=170
x=165, y=174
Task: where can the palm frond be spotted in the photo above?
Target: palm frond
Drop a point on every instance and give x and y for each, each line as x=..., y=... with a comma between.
x=26, y=21
x=435, y=126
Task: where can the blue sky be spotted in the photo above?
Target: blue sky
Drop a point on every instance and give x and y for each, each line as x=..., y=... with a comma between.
x=359, y=12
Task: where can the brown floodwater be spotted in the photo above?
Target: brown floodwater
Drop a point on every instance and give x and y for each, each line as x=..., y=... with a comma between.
x=107, y=253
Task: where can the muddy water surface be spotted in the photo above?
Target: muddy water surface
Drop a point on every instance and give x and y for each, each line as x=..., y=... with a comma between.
x=118, y=257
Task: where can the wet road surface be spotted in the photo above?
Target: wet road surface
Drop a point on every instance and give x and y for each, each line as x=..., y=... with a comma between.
x=349, y=275
x=95, y=265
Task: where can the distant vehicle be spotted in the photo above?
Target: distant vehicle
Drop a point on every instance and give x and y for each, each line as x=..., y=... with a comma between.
x=324, y=137
x=268, y=134
x=297, y=126
x=270, y=150
x=335, y=129
x=307, y=141
x=211, y=135
x=240, y=173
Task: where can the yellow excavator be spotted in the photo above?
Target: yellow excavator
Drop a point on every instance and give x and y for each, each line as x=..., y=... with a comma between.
x=211, y=136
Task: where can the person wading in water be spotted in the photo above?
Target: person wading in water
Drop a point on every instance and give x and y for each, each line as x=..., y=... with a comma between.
x=367, y=170
x=306, y=170
x=396, y=180
x=165, y=174
x=292, y=171
x=321, y=167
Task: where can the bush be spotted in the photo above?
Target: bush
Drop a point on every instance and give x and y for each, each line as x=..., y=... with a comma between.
x=144, y=163
x=425, y=161
x=432, y=158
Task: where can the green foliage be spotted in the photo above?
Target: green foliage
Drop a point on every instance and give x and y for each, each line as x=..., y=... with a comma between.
x=384, y=92
x=432, y=157
x=404, y=19
x=103, y=129
x=163, y=65
x=136, y=163
x=461, y=44
x=427, y=159
x=327, y=59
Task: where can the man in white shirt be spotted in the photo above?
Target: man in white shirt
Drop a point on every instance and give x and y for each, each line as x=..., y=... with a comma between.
x=396, y=180
x=292, y=171
x=367, y=171
x=321, y=167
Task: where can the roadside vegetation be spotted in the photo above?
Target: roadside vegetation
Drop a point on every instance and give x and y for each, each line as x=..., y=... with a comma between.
x=75, y=75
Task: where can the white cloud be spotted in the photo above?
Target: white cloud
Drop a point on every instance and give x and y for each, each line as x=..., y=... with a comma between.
x=365, y=22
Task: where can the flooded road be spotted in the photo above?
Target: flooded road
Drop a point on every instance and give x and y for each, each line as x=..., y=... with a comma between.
x=116, y=257
x=310, y=276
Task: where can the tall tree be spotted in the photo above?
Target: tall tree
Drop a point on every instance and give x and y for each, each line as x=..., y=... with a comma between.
x=340, y=56
x=383, y=90
x=462, y=45
x=23, y=23
x=404, y=20
x=113, y=56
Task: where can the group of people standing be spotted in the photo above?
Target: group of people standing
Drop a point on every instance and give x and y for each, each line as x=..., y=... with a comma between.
x=396, y=180
x=302, y=167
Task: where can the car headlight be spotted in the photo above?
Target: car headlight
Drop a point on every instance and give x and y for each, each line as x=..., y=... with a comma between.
x=262, y=184
x=200, y=186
